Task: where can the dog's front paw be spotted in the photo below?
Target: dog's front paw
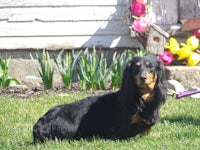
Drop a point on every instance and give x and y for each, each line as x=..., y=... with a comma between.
x=149, y=122
x=146, y=132
x=152, y=120
x=136, y=119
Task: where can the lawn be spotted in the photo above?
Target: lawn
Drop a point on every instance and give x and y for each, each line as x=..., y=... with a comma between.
x=179, y=127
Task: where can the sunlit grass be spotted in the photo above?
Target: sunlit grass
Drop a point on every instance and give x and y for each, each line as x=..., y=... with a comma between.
x=179, y=127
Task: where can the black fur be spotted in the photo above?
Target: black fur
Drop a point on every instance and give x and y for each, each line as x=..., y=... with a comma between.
x=110, y=115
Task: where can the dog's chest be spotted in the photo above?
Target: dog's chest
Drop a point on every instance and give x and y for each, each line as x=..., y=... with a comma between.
x=146, y=94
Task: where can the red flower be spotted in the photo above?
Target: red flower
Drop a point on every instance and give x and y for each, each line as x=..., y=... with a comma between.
x=166, y=58
x=138, y=9
x=197, y=33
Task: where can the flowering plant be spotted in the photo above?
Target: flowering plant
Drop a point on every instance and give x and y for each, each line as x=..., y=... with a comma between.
x=141, y=24
x=139, y=10
x=182, y=51
x=196, y=33
x=166, y=57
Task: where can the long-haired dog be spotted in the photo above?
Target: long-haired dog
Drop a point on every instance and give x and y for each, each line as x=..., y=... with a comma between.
x=130, y=111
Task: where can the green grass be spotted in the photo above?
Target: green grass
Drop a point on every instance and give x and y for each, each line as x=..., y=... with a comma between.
x=179, y=127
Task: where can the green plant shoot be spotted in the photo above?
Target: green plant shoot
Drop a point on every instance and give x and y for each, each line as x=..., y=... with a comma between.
x=67, y=66
x=45, y=70
x=5, y=80
x=92, y=70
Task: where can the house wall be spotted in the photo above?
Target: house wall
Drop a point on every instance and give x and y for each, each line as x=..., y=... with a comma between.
x=189, y=9
x=64, y=24
x=69, y=24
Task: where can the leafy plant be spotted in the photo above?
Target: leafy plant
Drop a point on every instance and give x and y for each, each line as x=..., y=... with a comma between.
x=140, y=52
x=45, y=70
x=117, y=67
x=67, y=66
x=92, y=70
x=102, y=73
x=5, y=80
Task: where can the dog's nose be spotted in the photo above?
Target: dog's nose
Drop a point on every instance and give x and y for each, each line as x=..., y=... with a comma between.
x=143, y=79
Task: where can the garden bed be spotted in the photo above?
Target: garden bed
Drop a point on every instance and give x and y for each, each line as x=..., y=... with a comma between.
x=187, y=76
x=29, y=90
x=24, y=69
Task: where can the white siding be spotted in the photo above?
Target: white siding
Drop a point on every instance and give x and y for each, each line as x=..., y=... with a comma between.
x=164, y=12
x=56, y=24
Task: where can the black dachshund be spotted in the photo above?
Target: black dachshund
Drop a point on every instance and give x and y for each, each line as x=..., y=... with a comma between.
x=130, y=111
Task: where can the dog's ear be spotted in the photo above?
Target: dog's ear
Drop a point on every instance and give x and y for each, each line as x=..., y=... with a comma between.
x=161, y=85
x=127, y=76
x=126, y=92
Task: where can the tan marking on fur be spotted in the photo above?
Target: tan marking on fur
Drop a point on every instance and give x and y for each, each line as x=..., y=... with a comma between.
x=147, y=63
x=138, y=64
x=148, y=86
x=149, y=83
x=146, y=96
x=136, y=119
x=151, y=80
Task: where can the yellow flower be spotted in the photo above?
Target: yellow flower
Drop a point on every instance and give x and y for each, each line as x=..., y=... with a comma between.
x=184, y=52
x=193, y=42
x=194, y=59
x=173, y=46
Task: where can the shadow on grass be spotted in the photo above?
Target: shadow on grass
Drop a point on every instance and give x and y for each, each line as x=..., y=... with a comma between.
x=185, y=120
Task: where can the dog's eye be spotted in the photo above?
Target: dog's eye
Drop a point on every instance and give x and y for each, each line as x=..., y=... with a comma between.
x=151, y=66
x=136, y=68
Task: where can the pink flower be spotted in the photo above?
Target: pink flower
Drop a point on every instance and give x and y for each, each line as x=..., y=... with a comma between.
x=196, y=33
x=141, y=1
x=166, y=58
x=141, y=24
x=138, y=9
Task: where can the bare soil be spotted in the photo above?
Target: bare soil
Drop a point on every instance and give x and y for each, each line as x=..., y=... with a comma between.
x=28, y=90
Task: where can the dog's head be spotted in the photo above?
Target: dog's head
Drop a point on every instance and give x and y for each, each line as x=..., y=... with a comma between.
x=144, y=75
x=146, y=71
